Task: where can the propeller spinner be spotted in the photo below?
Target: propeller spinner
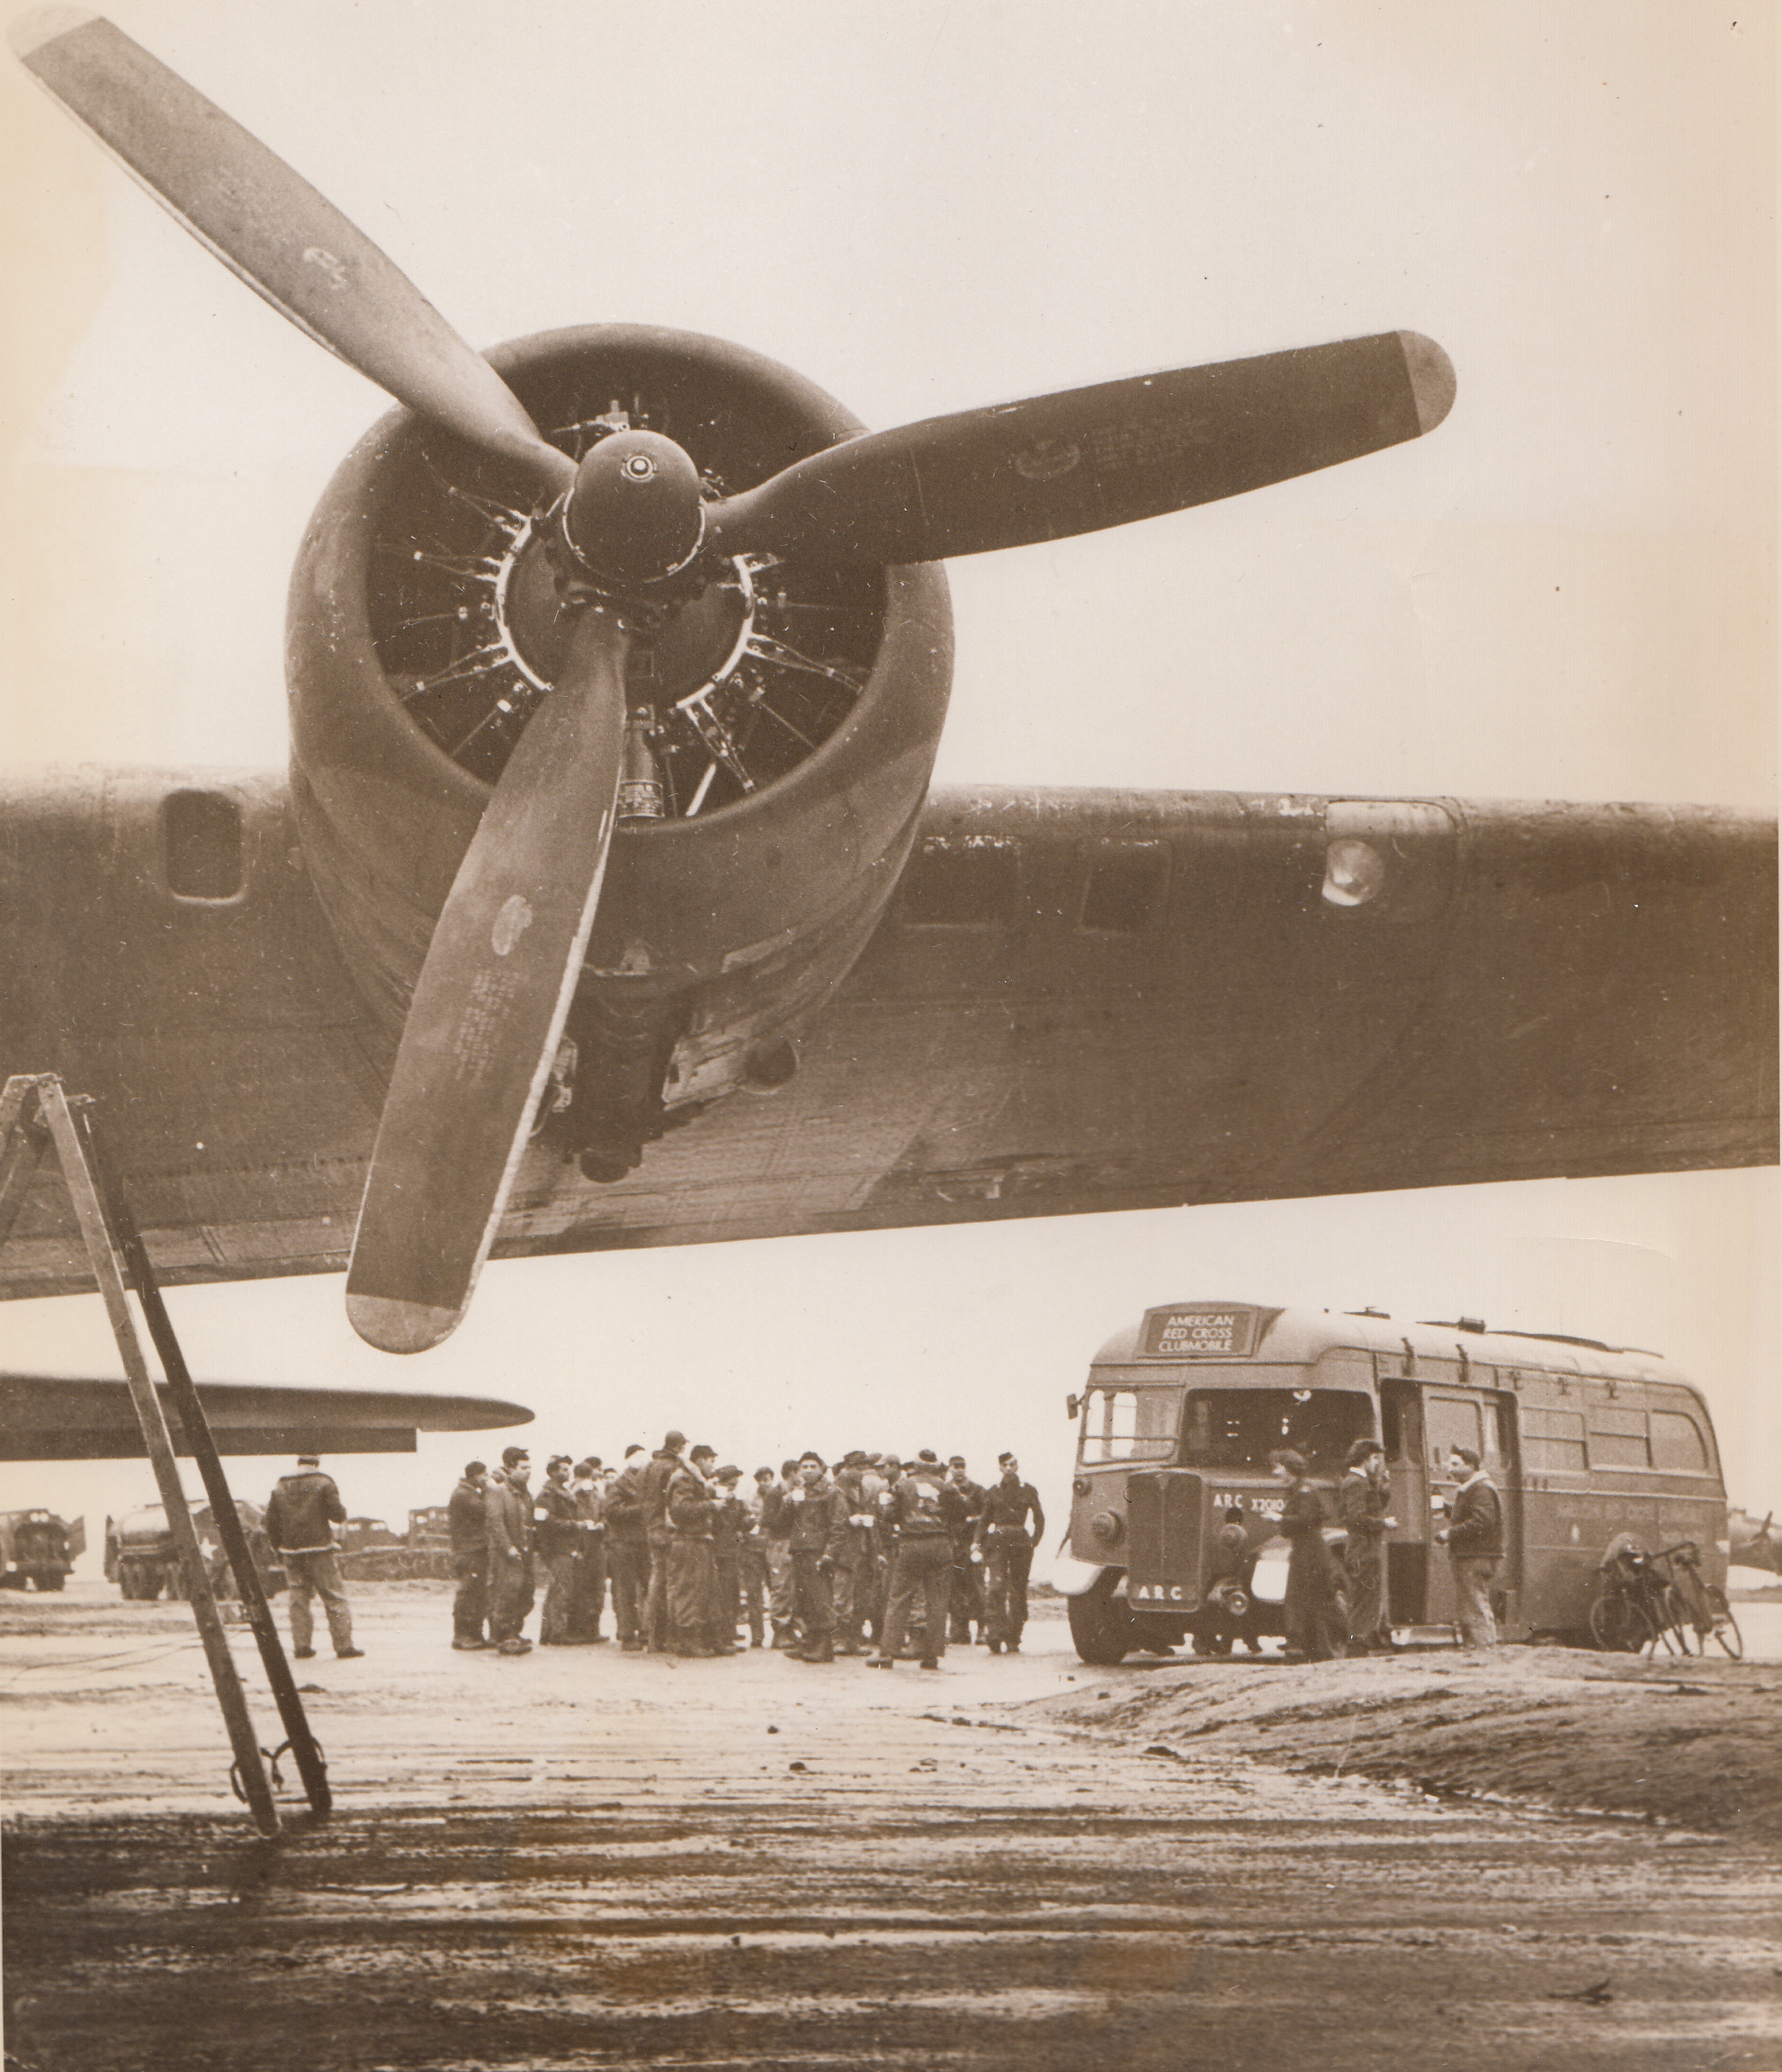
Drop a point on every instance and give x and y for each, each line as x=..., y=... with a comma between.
x=633, y=544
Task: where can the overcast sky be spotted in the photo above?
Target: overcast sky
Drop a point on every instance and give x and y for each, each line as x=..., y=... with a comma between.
x=1565, y=592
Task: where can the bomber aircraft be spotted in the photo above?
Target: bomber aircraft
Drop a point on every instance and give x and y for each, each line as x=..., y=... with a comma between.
x=606, y=902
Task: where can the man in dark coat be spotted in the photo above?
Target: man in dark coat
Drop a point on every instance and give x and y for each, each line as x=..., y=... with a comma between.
x=507, y=1505
x=467, y=1521
x=554, y=1543
x=857, y=1558
x=965, y=1589
x=587, y=1599
x=732, y=1522
x=628, y=1550
x=1474, y=1537
x=1005, y=1546
x=1362, y=1496
x=300, y=1517
x=690, y=1505
x=920, y=1512
x=1314, y=1612
x=653, y=1487
x=818, y=1514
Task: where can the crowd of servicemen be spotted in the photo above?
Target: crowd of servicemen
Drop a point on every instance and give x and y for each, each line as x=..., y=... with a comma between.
x=814, y=1561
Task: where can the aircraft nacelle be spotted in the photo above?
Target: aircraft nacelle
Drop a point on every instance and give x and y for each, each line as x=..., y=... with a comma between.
x=789, y=711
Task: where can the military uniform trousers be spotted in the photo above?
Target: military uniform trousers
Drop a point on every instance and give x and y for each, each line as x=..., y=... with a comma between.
x=752, y=1575
x=587, y=1595
x=1009, y=1559
x=627, y=1565
x=553, y=1622
x=470, y=1605
x=309, y=1576
x=922, y=1567
x=1473, y=1575
x=510, y=1594
x=692, y=1593
x=813, y=1595
x=1364, y=1564
x=966, y=1599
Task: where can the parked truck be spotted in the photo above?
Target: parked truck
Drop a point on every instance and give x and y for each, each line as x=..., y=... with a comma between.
x=37, y=1549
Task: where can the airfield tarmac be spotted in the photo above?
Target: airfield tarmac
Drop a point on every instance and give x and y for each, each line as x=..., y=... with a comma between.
x=579, y=1858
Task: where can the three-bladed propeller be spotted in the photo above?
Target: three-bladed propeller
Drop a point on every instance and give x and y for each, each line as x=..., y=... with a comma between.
x=494, y=991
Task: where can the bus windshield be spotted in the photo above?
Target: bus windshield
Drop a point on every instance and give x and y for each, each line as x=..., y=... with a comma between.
x=1130, y=1423
x=1240, y=1428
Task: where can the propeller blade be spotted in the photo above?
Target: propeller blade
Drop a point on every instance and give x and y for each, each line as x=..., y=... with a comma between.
x=490, y=1007
x=1089, y=458
x=272, y=227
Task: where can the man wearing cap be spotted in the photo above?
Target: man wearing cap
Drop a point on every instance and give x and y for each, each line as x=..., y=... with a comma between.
x=628, y=1550
x=1006, y=1548
x=752, y=1558
x=554, y=1538
x=776, y=1545
x=467, y=1521
x=857, y=1562
x=966, y=1599
x=818, y=1514
x=300, y=1516
x=653, y=1486
x=508, y=1508
x=1362, y=1499
x=689, y=1506
x=730, y=1522
x=1474, y=1538
x=587, y=1597
x=921, y=1510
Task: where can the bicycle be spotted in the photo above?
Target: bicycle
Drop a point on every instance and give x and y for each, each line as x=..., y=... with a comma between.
x=1654, y=1600
x=1704, y=1605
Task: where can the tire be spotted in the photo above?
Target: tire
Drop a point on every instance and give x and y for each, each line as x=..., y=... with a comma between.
x=1675, y=1630
x=1618, y=1625
x=1726, y=1625
x=1101, y=1626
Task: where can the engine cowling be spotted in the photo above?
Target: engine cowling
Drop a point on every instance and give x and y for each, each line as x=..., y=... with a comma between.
x=794, y=712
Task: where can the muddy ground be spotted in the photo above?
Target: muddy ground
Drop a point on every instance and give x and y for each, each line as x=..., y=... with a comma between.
x=578, y=1859
x=1696, y=1743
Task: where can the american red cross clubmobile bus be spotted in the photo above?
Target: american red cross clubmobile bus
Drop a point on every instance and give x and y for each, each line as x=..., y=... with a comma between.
x=1184, y=1409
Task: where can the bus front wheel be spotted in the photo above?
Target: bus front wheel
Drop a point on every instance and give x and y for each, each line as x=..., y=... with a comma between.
x=1103, y=1631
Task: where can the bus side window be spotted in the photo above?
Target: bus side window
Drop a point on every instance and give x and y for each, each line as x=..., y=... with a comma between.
x=1391, y=1425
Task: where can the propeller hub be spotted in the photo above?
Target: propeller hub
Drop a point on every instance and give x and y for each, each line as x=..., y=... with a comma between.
x=633, y=514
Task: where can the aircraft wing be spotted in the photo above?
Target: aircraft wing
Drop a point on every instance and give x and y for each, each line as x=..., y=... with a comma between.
x=68, y=1418
x=1076, y=1001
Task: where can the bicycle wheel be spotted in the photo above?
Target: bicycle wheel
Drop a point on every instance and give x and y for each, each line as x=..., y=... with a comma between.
x=1726, y=1625
x=1672, y=1628
x=1618, y=1625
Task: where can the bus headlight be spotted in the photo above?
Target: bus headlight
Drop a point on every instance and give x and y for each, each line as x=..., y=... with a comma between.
x=1105, y=1528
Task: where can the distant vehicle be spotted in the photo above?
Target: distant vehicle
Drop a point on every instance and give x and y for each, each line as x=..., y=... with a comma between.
x=37, y=1549
x=141, y=1560
x=140, y=1554
x=1184, y=1409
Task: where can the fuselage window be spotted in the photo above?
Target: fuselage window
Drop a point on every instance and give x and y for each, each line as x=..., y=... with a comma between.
x=973, y=883
x=201, y=831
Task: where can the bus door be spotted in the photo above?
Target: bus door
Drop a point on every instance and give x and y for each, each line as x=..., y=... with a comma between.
x=1407, y=1547
x=1452, y=1419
